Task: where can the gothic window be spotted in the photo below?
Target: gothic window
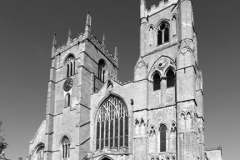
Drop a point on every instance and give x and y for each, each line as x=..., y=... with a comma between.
x=163, y=138
x=156, y=82
x=150, y=35
x=163, y=33
x=174, y=25
x=40, y=153
x=101, y=70
x=70, y=65
x=170, y=78
x=67, y=100
x=65, y=147
x=112, y=124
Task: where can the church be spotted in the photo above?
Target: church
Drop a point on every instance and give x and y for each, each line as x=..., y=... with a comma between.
x=91, y=115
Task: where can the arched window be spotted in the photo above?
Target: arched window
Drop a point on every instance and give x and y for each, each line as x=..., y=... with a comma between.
x=150, y=35
x=101, y=70
x=174, y=25
x=163, y=138
x=170, y=78
x=163, y=33
x=112, y=124
x=65, y=147
x=40, y=153
x=156, y=82
x=70, y=65
x=67, y=100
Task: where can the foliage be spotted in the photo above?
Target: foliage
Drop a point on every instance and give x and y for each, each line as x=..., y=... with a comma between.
x=3, y=143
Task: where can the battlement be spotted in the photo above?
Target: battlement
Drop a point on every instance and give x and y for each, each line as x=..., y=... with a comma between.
x=81, y=37
x=162, y=5
x=67, y=45
x=102, y=48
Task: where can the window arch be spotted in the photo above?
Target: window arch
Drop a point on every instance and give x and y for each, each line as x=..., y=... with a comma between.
x=65, y=147
x=163, y=138
x=112, y=124
x=101, y=70
x=163, y=33
x=150, y=35
x=67, y=100
x=156, y=82
x=70, y=65
x=40, y=153
x=170, y=78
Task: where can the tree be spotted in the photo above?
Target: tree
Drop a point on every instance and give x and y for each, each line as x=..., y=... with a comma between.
x=3, y=143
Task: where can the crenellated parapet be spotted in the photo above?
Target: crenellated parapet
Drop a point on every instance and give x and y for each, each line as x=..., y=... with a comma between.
x=76, y=41
x=154, y=9
x=102, y=48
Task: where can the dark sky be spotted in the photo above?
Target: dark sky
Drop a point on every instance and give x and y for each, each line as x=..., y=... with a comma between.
x=26, y=33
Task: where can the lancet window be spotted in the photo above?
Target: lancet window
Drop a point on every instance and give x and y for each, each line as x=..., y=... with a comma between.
x=65, y=147
x=112, y=124
x=40, y=153
x=101, y=70
x=70, y=65
x=156, y=82
x=163, y=138
x=67, y=100
x=163, y=33
x=170, y=78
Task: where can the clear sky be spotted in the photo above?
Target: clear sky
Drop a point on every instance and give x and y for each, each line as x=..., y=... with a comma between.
x=26, y=33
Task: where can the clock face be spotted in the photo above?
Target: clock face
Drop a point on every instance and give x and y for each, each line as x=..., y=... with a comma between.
x=68, y=84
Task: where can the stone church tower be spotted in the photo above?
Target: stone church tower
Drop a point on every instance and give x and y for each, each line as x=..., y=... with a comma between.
x=157, y=116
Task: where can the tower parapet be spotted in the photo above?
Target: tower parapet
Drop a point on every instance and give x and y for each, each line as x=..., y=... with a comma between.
x=162, y=5
x=82, y=37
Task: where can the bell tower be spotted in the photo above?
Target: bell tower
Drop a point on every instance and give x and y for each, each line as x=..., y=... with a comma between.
x=79, y=68
x=168, y=59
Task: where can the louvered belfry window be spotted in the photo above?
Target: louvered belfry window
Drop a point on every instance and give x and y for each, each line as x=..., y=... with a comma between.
x=112, y=124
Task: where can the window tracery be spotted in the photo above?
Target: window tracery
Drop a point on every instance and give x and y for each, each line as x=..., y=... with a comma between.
x=40, y=153
x=163, y=33
x=65, y=147
x=112, y=124
x=70, y=65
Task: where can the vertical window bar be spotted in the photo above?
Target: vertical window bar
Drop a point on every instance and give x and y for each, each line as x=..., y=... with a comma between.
x=102, y=134
x=106, y=132
x=98, y=135
x=121, y=131
x=116, y=132
x=126, y=130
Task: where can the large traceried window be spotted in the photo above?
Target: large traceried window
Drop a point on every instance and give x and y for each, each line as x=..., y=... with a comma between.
x=65, y=147
x=163, y=33
x=40, y=153
x=112, y=124
x=70, y=65
x=163, y=138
